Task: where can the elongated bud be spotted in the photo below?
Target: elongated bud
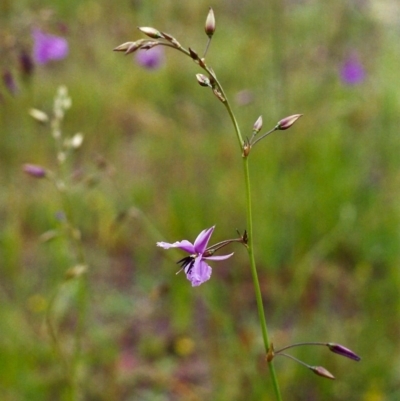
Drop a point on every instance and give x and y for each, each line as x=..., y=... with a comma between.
x=39, y=115
x=219, y=95
x=9, y=82
x=193, y=54
x=170, y=39
x=339, y=349
x=151, y=32
x=34, y=170
x=287, y=122
x=203, y=80
x=320, y=371
x=258, y=125
x=124, y=47
x=26, y=63
x=210, y=23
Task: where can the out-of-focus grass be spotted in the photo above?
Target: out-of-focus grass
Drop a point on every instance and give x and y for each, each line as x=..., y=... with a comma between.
x=325, y=198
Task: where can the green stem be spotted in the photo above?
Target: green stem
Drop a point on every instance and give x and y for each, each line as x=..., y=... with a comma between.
x=256, y=281
x=250, y=243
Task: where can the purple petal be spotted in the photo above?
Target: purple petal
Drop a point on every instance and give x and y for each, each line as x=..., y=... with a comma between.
x=352, y=71
x=199, y=273
x=200, y=244
x=184, y=245
x=151, y=58
x=48, y=47
x=220, y=257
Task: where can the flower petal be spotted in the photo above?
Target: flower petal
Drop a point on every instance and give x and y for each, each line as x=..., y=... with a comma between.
x=199, y=273
x=184, y=245
x=219, y=257
x=200, y=244
x=48, y=47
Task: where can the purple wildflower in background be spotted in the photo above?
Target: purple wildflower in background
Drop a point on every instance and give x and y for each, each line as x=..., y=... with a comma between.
x=48, y=47
x=352, y=71
x=9, y=82
x=150, y=59
x=196, y=269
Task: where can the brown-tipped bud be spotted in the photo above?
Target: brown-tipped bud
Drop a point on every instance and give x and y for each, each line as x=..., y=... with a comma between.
x=339, y=349
x=258, y=125
x=133, y=46
x=210, y=23
x=203, y=80
x=193, y=54
x=150, y=32
x=287, y=122
x=34, y=171
x=320, y=371
x=124, y=47
x=170, y=39
x=219, y=95
x=246, y=148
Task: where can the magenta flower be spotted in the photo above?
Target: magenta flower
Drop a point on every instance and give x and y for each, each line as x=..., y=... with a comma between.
x=352, y=71
x=150, y=59
x=48, y=47
x=196, y=269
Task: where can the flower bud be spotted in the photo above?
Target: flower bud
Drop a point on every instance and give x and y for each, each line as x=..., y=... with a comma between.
x=34, y=170
x=193, y=54
x=39, y=115
x=124, y=47
x=339, y=349
x=210, y=23
x=203, y=80
x=246, y=148
x=9, y=82
x=26, y=63
x=287, y=122
x=151, y=32
x=320, y=371
x=258, y=125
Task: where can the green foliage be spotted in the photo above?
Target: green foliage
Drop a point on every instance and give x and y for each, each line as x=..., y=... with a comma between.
x=160, y=162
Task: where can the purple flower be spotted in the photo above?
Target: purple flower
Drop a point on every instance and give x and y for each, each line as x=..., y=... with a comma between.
x=9, y=82
x=196, y=269
x=150, y=59
x=352, y=71
x=48, y=47
x=34, y=170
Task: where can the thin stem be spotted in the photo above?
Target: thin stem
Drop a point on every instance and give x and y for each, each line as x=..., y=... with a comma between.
x=227, y=106
x=256, y=281
x=263, y=136
x=295, y=359
x=207, y=46
x=250, y=243
x=219, y=245
x=298, y=345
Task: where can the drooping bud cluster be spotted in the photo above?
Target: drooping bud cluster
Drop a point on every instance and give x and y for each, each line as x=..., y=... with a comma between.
x=319, y=370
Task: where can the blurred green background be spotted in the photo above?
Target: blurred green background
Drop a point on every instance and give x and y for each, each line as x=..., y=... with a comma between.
x=160, y=162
